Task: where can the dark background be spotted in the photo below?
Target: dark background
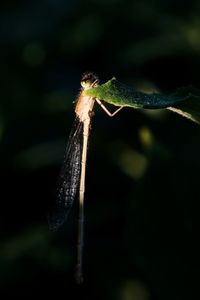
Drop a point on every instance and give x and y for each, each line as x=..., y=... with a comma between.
x=142, y=184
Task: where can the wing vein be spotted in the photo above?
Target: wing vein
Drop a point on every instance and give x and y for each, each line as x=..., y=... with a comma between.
x=69, y=179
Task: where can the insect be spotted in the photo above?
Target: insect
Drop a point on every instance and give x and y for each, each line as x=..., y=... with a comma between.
x=72, y=174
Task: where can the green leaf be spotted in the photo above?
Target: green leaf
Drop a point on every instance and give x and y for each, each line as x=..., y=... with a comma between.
x=185, y=101
x=189, y=107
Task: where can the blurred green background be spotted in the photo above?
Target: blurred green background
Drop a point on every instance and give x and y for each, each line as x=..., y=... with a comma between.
x=142, y=184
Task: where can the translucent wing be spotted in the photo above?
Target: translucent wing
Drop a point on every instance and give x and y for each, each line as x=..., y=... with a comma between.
x=69, y=178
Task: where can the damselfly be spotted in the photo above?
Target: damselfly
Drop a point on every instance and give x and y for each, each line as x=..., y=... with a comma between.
x=72, y=175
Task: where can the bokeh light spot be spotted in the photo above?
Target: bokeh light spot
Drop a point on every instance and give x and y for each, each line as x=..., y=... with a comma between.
x=146, y=137
x=133, y=163
x=33, y=54
x=57, y=101
x=134, y=290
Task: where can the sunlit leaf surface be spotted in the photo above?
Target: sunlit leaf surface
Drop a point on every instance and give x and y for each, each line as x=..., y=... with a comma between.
x=185, y=102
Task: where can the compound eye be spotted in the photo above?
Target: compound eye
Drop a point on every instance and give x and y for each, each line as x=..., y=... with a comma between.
x=83, y=83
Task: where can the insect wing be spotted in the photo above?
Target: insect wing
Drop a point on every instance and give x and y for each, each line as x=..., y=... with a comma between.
x=69, y=178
